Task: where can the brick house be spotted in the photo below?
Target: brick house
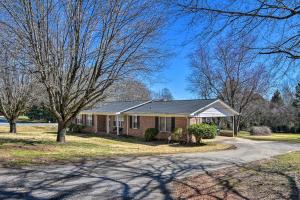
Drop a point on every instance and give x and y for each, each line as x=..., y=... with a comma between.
x=134, y=117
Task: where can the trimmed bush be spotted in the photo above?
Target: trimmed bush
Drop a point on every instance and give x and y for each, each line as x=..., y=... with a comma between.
x=150, y=134
x=260, y=130
x=177, y=135
x=76, y=128
x=203, y=131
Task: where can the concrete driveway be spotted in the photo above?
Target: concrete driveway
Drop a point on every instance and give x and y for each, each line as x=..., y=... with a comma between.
x=128, y=177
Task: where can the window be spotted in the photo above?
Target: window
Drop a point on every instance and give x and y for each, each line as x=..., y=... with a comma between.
x=78, y=119
x=89, y=120
x=134, y=122
x=165, y=124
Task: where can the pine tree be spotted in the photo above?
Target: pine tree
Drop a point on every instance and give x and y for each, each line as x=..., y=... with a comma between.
x=277, y=99
x=296, y=102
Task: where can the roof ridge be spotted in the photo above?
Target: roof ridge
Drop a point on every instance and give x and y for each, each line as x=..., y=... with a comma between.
x=161, y=100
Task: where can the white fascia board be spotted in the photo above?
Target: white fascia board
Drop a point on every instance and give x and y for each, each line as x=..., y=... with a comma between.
x=216, y=101
x=158, y=114
x=193, y=113
x=141, y=104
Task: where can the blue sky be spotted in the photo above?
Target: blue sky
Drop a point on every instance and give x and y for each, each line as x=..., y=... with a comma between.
x=174, y=75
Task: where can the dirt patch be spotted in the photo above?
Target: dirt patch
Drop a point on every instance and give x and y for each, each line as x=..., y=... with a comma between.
x=239, y=182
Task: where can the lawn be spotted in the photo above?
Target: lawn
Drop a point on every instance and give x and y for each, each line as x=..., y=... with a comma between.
x=278, y=178
x=282, y=137
x=36, y=145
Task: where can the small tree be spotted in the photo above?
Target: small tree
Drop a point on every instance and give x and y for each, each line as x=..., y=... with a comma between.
x=203, y=131
x=16, y=85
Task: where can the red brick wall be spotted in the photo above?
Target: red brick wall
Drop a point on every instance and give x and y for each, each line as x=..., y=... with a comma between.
x=145, y=123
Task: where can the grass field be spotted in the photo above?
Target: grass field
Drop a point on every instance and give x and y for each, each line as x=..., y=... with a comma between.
x=278, y=178
x=36, y=145
x=282, y=137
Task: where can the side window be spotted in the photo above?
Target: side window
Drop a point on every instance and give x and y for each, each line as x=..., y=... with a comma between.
x=135, y=122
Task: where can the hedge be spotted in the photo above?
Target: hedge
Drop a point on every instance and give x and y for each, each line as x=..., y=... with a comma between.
x=203, y=131
x=150, y=134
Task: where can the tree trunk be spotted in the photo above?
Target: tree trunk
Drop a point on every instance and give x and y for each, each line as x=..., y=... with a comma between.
x=61, y=132
x=236, y=125
x=12, y=126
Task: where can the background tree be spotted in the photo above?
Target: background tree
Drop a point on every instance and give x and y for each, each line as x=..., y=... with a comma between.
x=275, y=23
x=277, y=99
x=80, y=48
x=296, y=102
x=129, y=90
x=164, y=94
x=229, y=72
x=16, y=85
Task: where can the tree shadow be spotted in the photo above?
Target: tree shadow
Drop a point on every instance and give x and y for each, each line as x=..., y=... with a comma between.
x=228, y=183
x=129, y=178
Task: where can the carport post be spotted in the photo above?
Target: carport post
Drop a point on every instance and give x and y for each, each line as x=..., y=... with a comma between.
x=233, y=126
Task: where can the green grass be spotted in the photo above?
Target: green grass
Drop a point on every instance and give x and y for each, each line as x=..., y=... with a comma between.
x=280, y=137
x=36, y=145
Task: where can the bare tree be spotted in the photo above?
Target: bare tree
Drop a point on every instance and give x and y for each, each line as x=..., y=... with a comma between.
x=275, y=23
x=80, y=48
x=129, y=90
x=16, y=87
x=164, y=94
x=230, y=73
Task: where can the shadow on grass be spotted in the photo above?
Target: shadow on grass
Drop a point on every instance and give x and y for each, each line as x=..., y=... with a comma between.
x=22, y=141
x=128, y=178
x=241, y=181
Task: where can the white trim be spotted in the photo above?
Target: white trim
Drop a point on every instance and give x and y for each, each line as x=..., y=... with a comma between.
x=141, y=104
x=107, y=124
x=96, y=123
x=216, y=101
x=158, y=114
x=132, y=122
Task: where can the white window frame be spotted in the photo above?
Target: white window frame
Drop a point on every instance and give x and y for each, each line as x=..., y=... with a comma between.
x=89, y=120
x=165, y=127
x=79, y=119
x=134, y=122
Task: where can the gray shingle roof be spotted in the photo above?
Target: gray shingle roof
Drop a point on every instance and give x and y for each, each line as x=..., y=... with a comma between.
x=114, y=107
x=184, y=107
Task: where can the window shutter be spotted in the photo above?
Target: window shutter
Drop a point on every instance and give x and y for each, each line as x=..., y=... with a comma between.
x=82, y=119
x=156, y=123
x=92, y=120
x=138, y=121
x=173, y=124
x=130, y=121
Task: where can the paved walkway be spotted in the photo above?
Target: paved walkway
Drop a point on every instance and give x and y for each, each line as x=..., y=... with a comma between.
x=127, y=177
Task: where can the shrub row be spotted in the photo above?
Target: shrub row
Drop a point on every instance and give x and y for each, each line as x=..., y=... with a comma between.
x=260, y=130
x=200, y=131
